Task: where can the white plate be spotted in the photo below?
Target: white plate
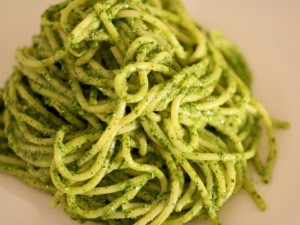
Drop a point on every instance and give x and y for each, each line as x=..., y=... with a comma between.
x=268, y=32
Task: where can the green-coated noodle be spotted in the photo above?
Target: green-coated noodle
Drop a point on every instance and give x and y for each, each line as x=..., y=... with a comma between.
x=129, y=113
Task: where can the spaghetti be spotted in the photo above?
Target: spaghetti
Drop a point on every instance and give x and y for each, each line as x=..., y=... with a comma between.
x=129, y=113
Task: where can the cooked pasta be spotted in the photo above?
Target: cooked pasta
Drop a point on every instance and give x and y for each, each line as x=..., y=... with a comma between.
x=128, y=112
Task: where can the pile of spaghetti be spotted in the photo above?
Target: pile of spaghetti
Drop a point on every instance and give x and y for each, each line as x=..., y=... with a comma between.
x=129, y=113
